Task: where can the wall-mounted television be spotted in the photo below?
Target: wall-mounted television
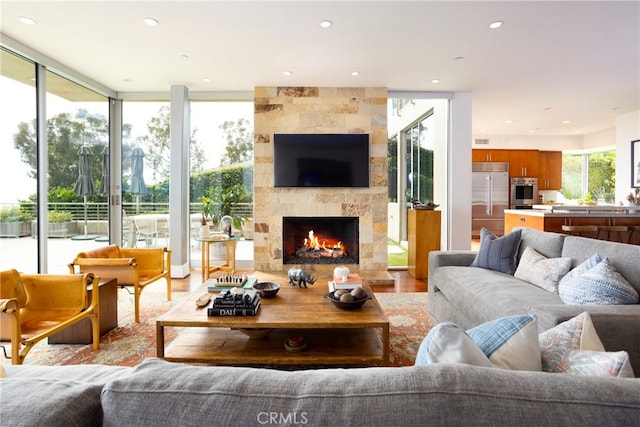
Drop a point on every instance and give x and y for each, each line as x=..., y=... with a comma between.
x=321, y=160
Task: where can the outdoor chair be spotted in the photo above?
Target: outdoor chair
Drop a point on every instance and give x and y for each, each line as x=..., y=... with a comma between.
x=36, y=306
x=132, y=267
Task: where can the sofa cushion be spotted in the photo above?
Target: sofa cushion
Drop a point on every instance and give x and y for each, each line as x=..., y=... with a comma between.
x=497, y=253
x=49, y=402
x=569, y=347
x=509, y=342
x=600, y=284
x=541, y=271
x=545, y=243
x=449, y=343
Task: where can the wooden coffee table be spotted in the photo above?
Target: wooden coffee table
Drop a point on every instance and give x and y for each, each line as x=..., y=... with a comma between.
x=334, y=337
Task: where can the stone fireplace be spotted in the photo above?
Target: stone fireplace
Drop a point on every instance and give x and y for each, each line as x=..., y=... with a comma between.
x=320, y=240
x=298, y=110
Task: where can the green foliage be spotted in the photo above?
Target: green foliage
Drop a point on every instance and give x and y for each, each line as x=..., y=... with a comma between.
x=59, y=216
x=219, y=202
x=14, y=214
x=239, y=139
x=601, y=182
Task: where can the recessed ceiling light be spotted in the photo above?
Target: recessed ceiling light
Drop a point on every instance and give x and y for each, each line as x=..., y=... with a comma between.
x=151, y=22
x=288, y=73
x=566, y=122
x=458, y=58
x=547, y=108
x=355, y=73
x=184, y=56
x=326, y=23
x=496, y=24
x=26, y=20
x=435, y=81
x=207, y=80
x=508, y=121
x=532, y=131
x=127, y=80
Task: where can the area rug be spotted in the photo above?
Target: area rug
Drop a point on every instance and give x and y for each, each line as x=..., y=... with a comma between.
x=130, y=342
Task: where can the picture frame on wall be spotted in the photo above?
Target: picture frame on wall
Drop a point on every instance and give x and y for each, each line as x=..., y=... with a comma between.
x=635, y=163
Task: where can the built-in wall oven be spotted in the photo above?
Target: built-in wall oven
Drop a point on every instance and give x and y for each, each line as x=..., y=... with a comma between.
x=524, y=193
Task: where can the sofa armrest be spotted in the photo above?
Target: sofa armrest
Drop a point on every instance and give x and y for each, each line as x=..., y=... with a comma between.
x=460, y=258
x=107, y=262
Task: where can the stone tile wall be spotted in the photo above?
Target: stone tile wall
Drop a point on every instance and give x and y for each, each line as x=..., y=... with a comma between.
x=320, y=110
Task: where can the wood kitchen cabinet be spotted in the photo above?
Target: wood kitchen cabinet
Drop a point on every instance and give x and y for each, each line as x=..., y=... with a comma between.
x=423, y=232
x=488, y=155
x=550, y=170
x=523, y=163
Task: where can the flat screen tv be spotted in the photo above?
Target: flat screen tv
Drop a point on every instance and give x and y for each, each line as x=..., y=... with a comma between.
x=321, y=160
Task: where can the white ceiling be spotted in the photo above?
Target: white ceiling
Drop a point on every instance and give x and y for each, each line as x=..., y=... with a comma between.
x=551, y=61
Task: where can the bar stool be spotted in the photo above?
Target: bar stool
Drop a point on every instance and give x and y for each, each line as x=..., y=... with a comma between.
x=579, y=230
x=632, y=230
x=612, y=228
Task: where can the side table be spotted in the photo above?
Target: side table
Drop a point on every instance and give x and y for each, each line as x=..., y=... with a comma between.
x=205, y=253
x=80, y=333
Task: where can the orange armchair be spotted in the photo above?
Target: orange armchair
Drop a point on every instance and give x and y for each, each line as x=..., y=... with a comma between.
x=137, y=267
x=36, y=306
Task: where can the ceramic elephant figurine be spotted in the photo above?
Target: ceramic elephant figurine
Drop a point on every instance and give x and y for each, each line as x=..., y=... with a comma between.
x=297, y=276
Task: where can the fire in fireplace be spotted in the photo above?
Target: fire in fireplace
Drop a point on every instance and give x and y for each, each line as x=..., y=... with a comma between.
x=320, y=240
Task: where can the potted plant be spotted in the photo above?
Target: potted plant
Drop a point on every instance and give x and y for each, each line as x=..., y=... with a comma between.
x=220, y=202
x=59, y=222
x=14, y=222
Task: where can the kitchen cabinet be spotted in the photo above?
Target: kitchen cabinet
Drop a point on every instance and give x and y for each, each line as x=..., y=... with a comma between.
x=523, y=219
x=550, y=170
x=523, y=163
x=423, y=232
x=489, y=155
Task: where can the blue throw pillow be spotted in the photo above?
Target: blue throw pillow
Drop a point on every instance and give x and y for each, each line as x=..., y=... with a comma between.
x=510, y=342
x=498, y=253
x=599, y=285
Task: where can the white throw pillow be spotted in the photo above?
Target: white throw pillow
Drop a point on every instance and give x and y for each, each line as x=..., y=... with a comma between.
x=448, y=343
x=541, y=271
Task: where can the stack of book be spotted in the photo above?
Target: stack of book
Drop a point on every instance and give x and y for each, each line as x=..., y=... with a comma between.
x=229, y=303
x=353, y=281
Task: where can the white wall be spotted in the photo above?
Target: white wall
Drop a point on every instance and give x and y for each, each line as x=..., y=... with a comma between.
x=627, y=130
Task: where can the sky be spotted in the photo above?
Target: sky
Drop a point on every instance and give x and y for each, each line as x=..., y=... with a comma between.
x=205, y=116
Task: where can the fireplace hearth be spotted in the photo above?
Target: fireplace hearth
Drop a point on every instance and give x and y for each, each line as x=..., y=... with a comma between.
x=320, y=240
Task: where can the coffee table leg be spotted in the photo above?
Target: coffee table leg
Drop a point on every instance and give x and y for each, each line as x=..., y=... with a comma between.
x=385, y=345
x=159, y=340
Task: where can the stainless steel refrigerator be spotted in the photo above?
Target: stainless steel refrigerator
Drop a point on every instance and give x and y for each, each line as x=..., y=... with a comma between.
x=489, y=196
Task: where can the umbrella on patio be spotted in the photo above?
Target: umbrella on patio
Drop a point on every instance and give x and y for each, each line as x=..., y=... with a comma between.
x=104, y=180
x=84, y=185
x=137, y=187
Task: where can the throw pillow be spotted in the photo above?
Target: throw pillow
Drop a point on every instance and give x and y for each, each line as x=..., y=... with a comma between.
x=599, y=285
x=599, y=363
x=510, y=342
x=498, y=253
x=448, y=343
x=541, y=271
x=567, y=348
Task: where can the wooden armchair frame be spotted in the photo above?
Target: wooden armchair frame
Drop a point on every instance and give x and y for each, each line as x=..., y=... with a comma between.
x=36, y=306
x=136, y=267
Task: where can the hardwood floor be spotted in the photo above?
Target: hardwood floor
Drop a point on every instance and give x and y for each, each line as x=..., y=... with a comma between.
x=403, y=283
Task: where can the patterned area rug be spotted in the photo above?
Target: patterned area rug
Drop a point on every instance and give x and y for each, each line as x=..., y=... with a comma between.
x=130, y=343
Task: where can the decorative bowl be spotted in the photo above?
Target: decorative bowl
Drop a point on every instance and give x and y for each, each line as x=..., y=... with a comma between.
x=267, y=289
x=347, y=305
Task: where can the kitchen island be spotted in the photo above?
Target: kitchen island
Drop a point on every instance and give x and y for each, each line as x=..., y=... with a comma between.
x=553, y=217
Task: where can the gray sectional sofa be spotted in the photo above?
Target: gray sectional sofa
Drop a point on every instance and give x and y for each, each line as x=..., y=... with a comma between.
x=158, y=393
x=469, y=296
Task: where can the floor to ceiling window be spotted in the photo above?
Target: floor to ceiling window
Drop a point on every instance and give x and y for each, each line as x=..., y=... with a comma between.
x=17, y=179
x=417, y=134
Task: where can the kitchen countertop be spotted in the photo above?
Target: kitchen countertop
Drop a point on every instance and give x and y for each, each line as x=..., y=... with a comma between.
x=556, y=210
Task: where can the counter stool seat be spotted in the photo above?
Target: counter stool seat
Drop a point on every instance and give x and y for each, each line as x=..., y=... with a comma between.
x=579, y=230
x=632, y=230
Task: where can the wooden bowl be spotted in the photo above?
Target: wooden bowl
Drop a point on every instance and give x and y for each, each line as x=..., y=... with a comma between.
x=346, y=305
